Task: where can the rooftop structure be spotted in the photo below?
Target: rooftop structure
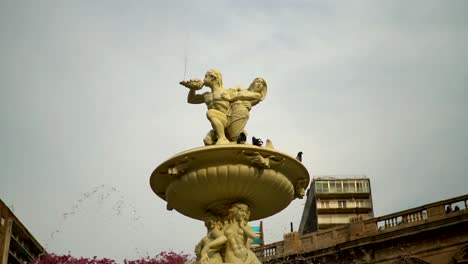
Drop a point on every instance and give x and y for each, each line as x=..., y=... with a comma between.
x=336, y=200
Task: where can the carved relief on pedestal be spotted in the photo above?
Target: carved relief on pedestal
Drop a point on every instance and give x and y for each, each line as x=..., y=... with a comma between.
x=179, y=166
x=228, y=237
x=262, y=161
x=300, y=187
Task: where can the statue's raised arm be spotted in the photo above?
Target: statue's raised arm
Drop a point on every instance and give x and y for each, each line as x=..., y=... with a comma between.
x=194, y=85
x=228, y=109
x=254, y=94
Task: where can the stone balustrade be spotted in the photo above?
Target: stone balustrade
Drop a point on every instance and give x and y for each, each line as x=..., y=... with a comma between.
x=321, y=240
x=269, y=251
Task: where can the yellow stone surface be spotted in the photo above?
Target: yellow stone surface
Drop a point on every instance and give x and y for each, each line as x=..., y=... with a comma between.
x=228, y=183
x=205, y=180
x=228, y=109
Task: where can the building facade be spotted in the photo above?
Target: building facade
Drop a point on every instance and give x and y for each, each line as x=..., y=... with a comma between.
x=17, y=245
x=432, y=233
x=333, y=201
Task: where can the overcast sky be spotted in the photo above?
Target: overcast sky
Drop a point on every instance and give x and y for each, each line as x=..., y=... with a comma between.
x=90, y=105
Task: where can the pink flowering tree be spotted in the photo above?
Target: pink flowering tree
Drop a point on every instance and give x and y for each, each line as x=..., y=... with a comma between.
x=162, y=258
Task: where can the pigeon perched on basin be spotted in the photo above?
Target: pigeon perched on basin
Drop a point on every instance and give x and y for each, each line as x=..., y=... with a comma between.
x=242, y=138
x=257, y=141
x=299, y=156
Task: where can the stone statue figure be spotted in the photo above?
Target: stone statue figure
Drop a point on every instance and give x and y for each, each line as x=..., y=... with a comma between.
x=228, y=109
x=225, y=186
x=241, y=102
x=239, y=236
x=208, y=249
x=228, y=239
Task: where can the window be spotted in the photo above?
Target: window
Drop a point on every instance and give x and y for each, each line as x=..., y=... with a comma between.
x=366, y=186
x=2, y=221
x=321, y=186
x=361, y=203
x=336, y=187
x=359, y=186
x=339, y=187
x=324, y=204
x=362, y=186
x=349, y=187
x=318, y=186
x=341, y=204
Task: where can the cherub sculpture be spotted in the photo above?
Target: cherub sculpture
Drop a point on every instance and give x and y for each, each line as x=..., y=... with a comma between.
x=228, y=109
x=229, y=238
x=208, y=249
x=239, y=236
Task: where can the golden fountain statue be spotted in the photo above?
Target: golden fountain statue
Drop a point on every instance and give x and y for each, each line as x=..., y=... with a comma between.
x=228, y=182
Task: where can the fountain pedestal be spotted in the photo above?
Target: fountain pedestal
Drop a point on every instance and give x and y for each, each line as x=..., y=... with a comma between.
x=227, y=183
x=226, y=186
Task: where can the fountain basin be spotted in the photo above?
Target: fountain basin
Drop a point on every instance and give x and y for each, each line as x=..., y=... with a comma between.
x=206, y=180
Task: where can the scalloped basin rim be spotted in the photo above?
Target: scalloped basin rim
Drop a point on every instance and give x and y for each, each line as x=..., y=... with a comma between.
x=193, y=181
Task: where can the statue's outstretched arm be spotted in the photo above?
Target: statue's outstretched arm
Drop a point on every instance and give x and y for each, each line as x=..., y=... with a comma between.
x=193, y=98
x=193, y=85
x=246, y=95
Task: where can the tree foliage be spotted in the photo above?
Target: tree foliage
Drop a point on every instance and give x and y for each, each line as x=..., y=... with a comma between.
x=164, y=257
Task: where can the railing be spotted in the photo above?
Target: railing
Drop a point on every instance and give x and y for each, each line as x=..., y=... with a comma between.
x=360, y=229
x=455, y=206
x=392, y=221
x=419, y=214
x=269, y=251
x=343, y=190
x=350, y=205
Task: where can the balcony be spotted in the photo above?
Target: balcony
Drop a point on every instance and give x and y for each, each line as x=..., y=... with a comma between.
x=346, y=210
x=343, y=193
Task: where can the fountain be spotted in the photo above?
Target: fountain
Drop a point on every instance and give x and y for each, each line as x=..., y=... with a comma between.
x=228, y=182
